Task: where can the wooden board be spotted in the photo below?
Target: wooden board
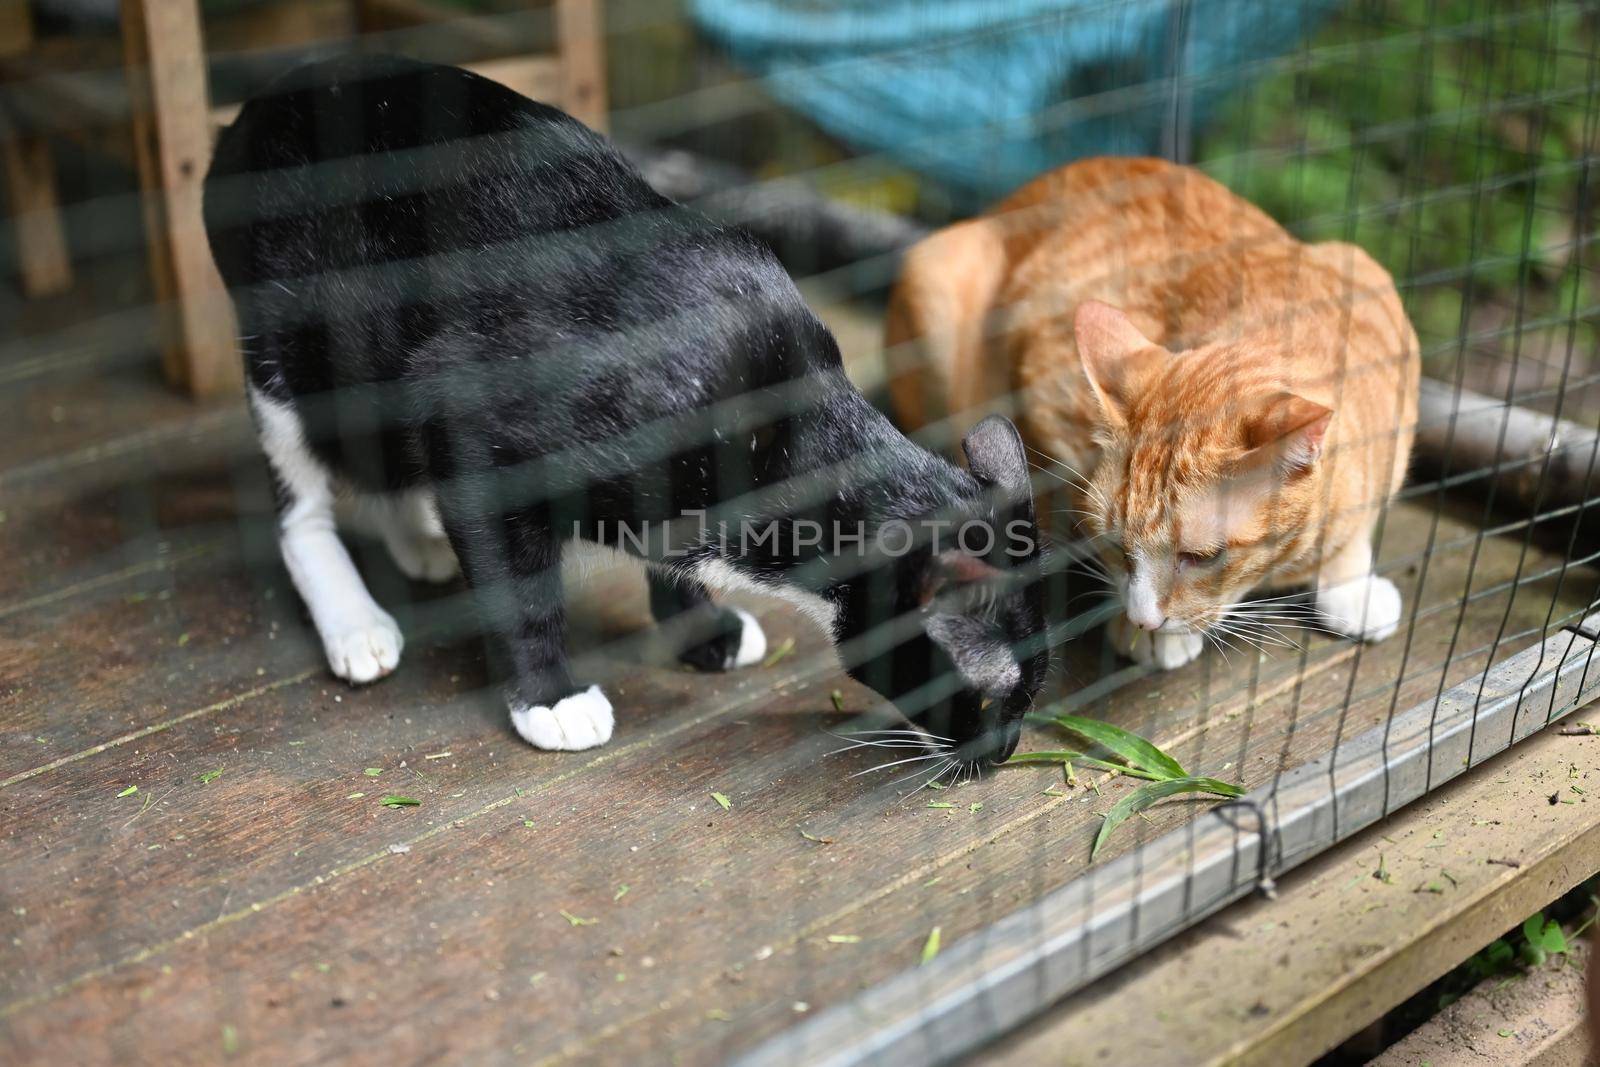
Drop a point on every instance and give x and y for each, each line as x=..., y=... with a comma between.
x=1281, y=981
x=43, y=264
x=166, y=72
x=581, y=41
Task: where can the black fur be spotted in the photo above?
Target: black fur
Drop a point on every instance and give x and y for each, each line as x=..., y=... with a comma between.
x=457, y=286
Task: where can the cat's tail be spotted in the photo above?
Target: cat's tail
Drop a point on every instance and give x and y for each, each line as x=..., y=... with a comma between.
x=939, y=330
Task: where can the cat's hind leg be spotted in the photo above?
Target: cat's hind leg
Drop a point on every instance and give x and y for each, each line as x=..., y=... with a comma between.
x=707, y=635
x=360, y=639
x=1352, y=600
x=408, y=524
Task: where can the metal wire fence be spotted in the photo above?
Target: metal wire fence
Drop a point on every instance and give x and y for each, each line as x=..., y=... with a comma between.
x=1453, y=141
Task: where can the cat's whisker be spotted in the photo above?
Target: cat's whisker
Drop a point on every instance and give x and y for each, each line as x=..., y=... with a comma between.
x=1248, y=636
x=853, y=748
x=1227, y=626
x=899, y=762
x=1081, y=487
x=897, y=733
x=1250, y=622
x=1253, y=646
x=1096, y=568
x=1276, y=610
x=927, y=778
x=1283, y=613
x=1264, y=643
x=1218, y=642
x=1048, y=458
x=920, y=742
x=1073, y=477
x=1057, y=477
x=1268, y=599
x=860, y=742
x=1309, y=623
x=1256, y=636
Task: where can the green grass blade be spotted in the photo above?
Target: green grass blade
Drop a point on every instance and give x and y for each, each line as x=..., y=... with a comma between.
x=1053, y=756
x=1129, y=747
x=1153, y=793
x=1064, y=756
x=1221, y=788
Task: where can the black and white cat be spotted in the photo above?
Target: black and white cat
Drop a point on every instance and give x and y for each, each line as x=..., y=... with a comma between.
x=468, y=319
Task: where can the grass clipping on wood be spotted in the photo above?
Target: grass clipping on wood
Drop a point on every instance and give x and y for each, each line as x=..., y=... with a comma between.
x=1121, y=752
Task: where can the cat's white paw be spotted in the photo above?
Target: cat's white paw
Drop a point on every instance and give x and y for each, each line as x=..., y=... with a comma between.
x=1367, y=608
x=582, y=720
x=752, y=642
x=1168, y=651
x=365, y=649
x=423, y=559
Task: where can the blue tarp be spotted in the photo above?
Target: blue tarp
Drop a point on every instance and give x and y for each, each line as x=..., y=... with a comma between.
x=982, y=95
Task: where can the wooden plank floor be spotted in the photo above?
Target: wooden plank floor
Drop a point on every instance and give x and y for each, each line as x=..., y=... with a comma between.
x=535, y=906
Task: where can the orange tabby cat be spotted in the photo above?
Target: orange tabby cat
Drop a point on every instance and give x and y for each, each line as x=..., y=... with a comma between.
x=1239, y=404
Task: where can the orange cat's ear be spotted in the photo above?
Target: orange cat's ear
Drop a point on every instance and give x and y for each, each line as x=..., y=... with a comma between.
x=1286, y=432
x=1116, y=357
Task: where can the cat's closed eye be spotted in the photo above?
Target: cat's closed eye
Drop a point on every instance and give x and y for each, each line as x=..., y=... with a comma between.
x=1208, y=558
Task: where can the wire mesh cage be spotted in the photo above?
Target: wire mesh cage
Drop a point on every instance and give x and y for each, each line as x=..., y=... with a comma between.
x=887, y=796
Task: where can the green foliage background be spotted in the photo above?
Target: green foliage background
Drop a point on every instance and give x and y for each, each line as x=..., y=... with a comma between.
x=1450, y=138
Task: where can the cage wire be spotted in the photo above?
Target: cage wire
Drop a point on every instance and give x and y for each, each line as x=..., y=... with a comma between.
x=1453, y=140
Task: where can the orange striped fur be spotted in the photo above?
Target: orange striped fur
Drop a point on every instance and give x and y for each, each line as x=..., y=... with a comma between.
x=1212, y=382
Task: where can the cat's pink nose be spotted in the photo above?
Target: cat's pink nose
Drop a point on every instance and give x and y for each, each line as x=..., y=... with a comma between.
x=1146, y=620
x=1143, y=603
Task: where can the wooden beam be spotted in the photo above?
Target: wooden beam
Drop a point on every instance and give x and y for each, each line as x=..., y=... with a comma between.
x=480, y=34
x=166, y=73
x=16, y=27
x=71, y=89
x=1543, y=461
x=581, y=41
x=1351, y=934
x=282, y=24
x=44, y=266
x=540, y=77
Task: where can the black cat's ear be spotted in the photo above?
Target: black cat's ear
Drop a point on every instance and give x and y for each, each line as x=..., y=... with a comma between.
x=997, y=458
x=995, y=455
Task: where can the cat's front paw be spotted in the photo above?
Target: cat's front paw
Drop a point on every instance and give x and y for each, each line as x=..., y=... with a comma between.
x=364, y=649
x=742, y=643
x=1168, y=651
x=1367, y=609
x=582, y=720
